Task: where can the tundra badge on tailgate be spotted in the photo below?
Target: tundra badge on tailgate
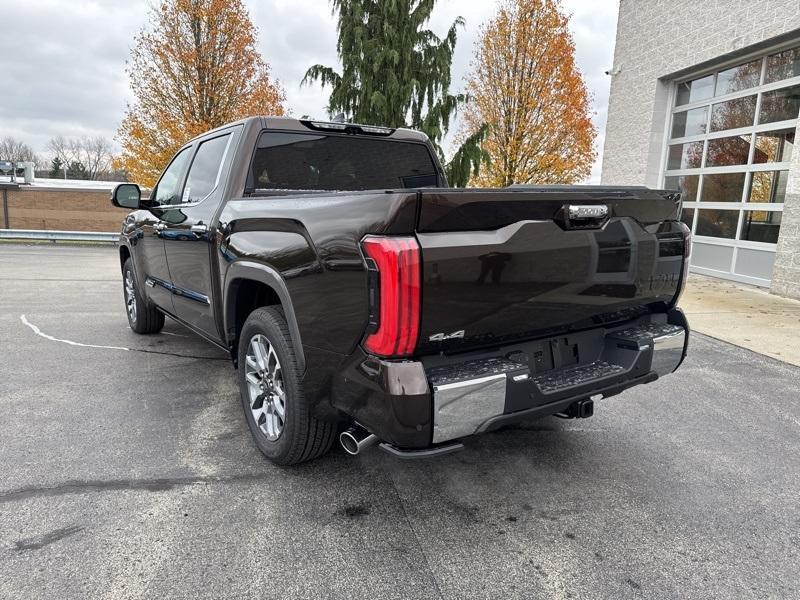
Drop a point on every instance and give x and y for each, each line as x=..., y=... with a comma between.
x=588, y=211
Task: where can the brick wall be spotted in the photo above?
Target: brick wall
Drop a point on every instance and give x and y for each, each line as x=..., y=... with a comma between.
x=62, y=209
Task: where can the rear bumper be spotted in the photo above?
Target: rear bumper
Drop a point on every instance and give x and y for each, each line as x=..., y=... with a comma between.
x=416, y=404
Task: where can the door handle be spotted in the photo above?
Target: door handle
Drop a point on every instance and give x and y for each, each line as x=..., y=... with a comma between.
x=199, y=230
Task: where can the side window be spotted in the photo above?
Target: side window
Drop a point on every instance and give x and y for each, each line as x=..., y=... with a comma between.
x=205, y=169
x=168, y=188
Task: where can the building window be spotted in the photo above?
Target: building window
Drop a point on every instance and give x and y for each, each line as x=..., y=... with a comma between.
x=783, y=65
x=761, y=226
x=731, y=138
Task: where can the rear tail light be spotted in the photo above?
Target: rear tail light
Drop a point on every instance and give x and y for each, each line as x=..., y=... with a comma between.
x=687, y=245
x=687, y=253
x=393, y=265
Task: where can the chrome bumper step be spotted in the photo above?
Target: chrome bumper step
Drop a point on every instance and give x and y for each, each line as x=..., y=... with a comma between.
x=575, y=376
x=468, y=394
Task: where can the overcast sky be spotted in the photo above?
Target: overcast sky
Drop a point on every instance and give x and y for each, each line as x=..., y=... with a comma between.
x=62, y=61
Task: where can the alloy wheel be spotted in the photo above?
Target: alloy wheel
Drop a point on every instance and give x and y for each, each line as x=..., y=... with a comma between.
x=130, y=296
x=265, y=387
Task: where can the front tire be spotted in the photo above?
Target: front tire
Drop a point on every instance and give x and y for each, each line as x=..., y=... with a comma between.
x=143, y=317
x=275, y=407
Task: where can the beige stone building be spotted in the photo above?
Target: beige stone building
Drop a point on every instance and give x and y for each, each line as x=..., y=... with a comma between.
x=705, y=97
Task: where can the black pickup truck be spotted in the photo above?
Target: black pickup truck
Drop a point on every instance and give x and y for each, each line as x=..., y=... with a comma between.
x=357, y=294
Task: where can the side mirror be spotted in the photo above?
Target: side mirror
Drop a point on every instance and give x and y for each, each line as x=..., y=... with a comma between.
x=126, y=195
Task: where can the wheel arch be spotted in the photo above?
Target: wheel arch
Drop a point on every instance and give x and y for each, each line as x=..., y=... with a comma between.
x=124, y=254
x=250, y=285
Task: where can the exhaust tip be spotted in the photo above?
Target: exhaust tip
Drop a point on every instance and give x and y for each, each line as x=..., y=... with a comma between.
x=349, y=442
x=355, y=439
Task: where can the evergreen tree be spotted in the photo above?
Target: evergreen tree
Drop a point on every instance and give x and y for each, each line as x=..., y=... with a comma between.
x=396, y=73
x=56, y=168
x=76, y=170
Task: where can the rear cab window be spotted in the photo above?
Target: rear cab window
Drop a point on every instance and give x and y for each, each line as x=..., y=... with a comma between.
x=300, y=161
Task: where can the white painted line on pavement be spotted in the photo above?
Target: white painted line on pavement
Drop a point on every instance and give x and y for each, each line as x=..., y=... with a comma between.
x=39, y=332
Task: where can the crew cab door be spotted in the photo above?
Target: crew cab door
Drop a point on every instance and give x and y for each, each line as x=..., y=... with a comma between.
x=191, y=230
x=151, y=259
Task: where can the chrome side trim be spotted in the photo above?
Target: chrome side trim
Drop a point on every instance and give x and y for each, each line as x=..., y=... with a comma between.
x=196, y=296
x=459, y=408
x=667, y=352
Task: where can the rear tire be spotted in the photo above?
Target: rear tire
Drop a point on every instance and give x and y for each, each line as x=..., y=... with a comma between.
x=275, y=406
x=143, y=317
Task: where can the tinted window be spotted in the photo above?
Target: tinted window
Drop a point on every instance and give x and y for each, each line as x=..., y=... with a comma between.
x=292, y=161
x=167, y=191
x=204, y=172
x=738, y=78
x=783, y=65
x=689, y=122
x=717, y=223
x=780, y=105
x=733, y=114
x=768, y=186
x=698, y=89
x=685, y=156
x=761, y=226
x=728, y=151
x=687, y=185
x=774, y=146
x=724, y=187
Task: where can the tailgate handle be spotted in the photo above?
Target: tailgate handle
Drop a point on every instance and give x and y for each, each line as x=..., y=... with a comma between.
x=582, y=216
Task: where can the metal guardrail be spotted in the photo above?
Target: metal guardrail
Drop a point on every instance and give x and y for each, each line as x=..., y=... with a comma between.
x=58, y=236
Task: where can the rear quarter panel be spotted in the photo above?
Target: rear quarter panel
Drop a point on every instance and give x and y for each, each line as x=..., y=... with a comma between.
x=313, y=241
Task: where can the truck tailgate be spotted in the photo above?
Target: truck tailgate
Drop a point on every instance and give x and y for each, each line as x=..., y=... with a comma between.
x=506, y=265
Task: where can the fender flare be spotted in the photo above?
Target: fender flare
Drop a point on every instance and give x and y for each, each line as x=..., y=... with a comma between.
x=250, y=270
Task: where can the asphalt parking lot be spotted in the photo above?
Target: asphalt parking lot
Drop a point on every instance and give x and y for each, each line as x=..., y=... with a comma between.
x=128, y=472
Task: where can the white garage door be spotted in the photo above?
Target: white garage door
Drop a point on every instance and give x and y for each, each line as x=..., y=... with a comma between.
x=731, y=138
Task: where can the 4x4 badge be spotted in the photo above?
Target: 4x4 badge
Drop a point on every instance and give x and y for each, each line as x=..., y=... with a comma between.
x=440, y=337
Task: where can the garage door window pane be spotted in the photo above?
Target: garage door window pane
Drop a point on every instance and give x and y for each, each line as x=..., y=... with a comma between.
x=738, y=78
x=783, y=65
x=689, y=122
x=761, y=226
x=717, y=223
x=768, y=186
x=733, y=114
x=692, y=91
x=728, y=151
x=686, y=185
x=685, y=156
x=725, y=187
x=774, y=146
x=780, y=105
x=687, y=216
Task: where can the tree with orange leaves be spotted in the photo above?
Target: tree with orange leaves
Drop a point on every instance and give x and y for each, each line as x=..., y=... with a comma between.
x=526, y=87
x=193, y=67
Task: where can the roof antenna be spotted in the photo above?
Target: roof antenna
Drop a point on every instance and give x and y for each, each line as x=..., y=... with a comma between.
x=340, y=118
